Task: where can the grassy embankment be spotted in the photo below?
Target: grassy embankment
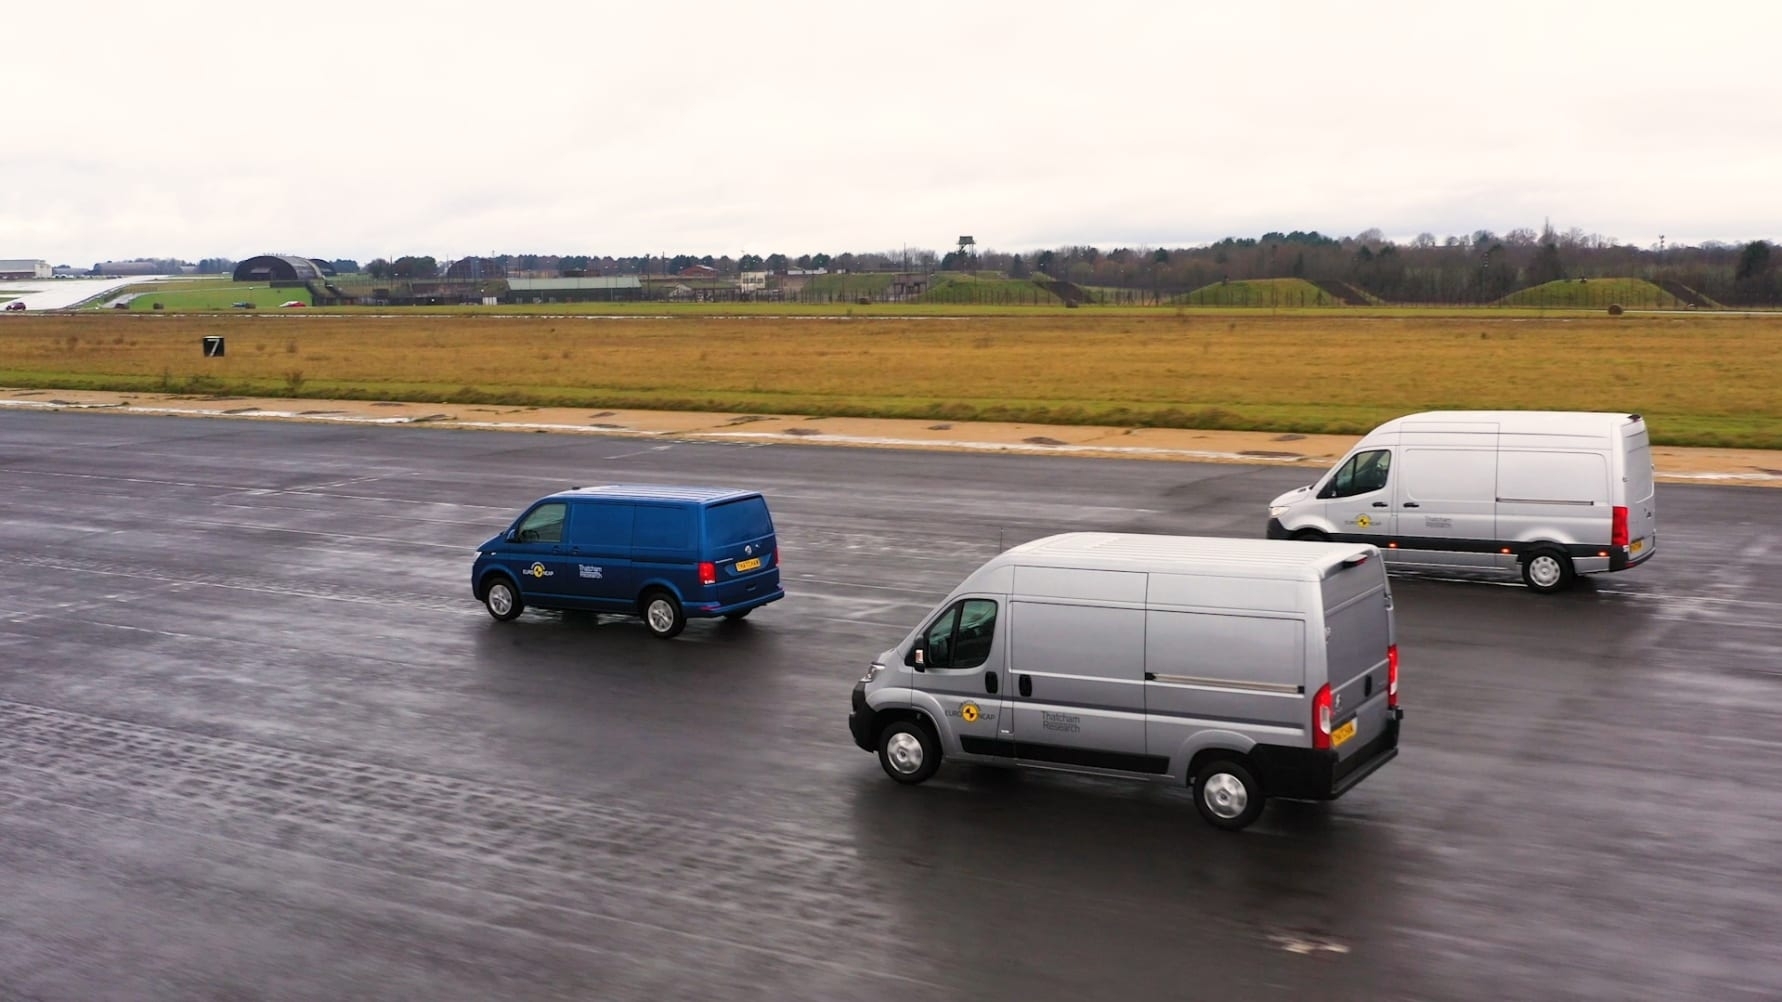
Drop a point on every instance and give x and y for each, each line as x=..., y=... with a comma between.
x=1701, y=380
x=205, y=295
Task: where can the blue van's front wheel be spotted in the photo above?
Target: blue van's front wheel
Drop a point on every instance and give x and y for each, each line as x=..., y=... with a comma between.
x=502, y=600
x=663, y=614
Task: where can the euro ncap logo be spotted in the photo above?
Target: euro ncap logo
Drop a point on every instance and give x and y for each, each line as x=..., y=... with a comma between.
x=538, y=570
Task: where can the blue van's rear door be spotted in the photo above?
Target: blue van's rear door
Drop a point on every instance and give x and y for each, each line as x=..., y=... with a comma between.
x=740, y=541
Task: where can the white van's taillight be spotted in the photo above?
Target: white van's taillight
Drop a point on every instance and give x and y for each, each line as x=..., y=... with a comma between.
x=1321, y=719
x=1618, y=528
x=708, y=573
x=1391, y=675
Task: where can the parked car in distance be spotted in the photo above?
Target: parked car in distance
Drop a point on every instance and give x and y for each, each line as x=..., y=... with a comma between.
x=664, y=553
x=1555, y=494
x=16, y=306
x=291, y=304
x=1247, y=668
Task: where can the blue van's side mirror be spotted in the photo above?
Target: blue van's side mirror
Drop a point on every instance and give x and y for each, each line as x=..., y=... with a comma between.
x=513, y=535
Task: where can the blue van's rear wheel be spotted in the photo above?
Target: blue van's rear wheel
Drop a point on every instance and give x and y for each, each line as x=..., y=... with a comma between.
x=502, y=600
x=662, y=614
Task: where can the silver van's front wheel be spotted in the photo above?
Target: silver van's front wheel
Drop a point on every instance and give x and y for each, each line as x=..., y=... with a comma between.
x=908, y=752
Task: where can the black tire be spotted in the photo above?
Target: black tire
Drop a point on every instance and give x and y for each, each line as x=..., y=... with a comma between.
x=662, y=614
x=909, y=762
x=734, y=616
x=1547, y=571
x=1227, y=794
x=1311, y=536
x=502, y=598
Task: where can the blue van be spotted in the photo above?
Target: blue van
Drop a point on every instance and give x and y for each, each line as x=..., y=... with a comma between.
x=660, y=552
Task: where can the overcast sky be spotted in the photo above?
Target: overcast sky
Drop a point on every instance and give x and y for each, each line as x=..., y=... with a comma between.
x=205, y=129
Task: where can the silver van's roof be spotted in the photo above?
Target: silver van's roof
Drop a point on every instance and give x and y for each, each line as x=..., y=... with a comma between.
x=1260, y=558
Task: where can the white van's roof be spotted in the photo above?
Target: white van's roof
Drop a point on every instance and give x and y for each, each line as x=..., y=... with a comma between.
x=1132, y=551
x=1517, y=422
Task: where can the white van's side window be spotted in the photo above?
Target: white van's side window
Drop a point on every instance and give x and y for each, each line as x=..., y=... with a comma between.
x=1364, y=472
x=1552, y=476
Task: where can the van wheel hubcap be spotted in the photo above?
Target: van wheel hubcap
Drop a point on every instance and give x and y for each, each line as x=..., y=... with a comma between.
x=661, y=616
x=1544, y=570
x=1225, y=795
x=905, y=752
x=501, y=601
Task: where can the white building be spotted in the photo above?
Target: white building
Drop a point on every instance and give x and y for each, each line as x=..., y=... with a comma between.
x=25, y=269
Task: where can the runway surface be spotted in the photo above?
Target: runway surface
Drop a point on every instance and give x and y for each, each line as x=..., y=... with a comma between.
x=257, y=740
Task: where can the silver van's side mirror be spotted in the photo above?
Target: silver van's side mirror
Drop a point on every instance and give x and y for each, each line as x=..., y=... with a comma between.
x=918, y=658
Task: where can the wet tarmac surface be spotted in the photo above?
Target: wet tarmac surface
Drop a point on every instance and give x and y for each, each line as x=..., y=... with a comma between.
x=257, y=740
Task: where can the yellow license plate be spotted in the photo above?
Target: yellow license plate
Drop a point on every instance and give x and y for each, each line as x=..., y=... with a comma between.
x=1636, y=546
x=748, y=565
x=1342, y=734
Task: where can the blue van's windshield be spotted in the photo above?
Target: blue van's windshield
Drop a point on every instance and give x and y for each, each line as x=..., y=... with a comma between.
x=738, y=521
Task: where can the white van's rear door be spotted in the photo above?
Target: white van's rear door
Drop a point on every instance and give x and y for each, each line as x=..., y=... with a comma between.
x=1641, y=497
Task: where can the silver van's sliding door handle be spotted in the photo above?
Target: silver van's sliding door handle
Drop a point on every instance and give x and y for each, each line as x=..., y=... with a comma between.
x=1382, y=504
x=1412, y=504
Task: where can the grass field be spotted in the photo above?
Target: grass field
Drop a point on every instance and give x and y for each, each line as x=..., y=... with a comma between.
x=1599, y=293
x=1273, y=292
x=204, y=295
x=1699, y=379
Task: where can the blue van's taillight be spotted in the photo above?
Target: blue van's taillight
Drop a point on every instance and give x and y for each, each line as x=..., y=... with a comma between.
x=776, y=557
x=708, y=573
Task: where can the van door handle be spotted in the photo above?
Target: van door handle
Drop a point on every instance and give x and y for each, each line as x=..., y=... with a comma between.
x=1026, y=685
x=1412, y=504
x=1382, y=504
x=990, y=684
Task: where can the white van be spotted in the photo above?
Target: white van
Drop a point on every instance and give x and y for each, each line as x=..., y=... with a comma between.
x=1249, y=668
x=1554, y=493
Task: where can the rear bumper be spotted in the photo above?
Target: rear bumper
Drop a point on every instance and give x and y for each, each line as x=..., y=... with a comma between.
x=860, y=718
x=714, y=609
x=1620, y=561
x=1305, y=774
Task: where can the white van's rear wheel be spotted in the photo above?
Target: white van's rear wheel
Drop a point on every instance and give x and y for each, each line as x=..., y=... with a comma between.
x=909, y=753
x=1227, y=795
x=502, y=600
x=1547, y=571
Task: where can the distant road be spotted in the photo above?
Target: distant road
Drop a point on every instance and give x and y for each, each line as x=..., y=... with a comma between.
x=61, y=293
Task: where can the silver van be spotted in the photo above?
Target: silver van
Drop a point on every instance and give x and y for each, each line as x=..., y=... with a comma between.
x=1554, y=493
x=1248, y=668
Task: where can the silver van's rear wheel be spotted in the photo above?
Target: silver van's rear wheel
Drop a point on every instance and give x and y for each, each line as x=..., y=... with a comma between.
x=1547, y=571
x=1227, y=795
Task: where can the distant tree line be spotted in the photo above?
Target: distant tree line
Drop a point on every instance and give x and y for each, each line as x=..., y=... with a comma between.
x=1479, y=267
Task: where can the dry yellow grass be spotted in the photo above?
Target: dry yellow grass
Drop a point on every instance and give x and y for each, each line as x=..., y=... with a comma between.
x=1701, y=380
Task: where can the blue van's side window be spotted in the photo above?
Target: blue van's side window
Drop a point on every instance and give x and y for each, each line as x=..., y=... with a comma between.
x=662, y=528
x=736, y=522
x=601, y=523
x=543, y=525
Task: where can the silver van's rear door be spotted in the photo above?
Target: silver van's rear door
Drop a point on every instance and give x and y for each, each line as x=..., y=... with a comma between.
x=1358, y=634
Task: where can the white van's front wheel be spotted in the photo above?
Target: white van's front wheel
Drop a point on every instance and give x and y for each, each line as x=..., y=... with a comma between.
x=1227, y=795
x=1547, y=571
